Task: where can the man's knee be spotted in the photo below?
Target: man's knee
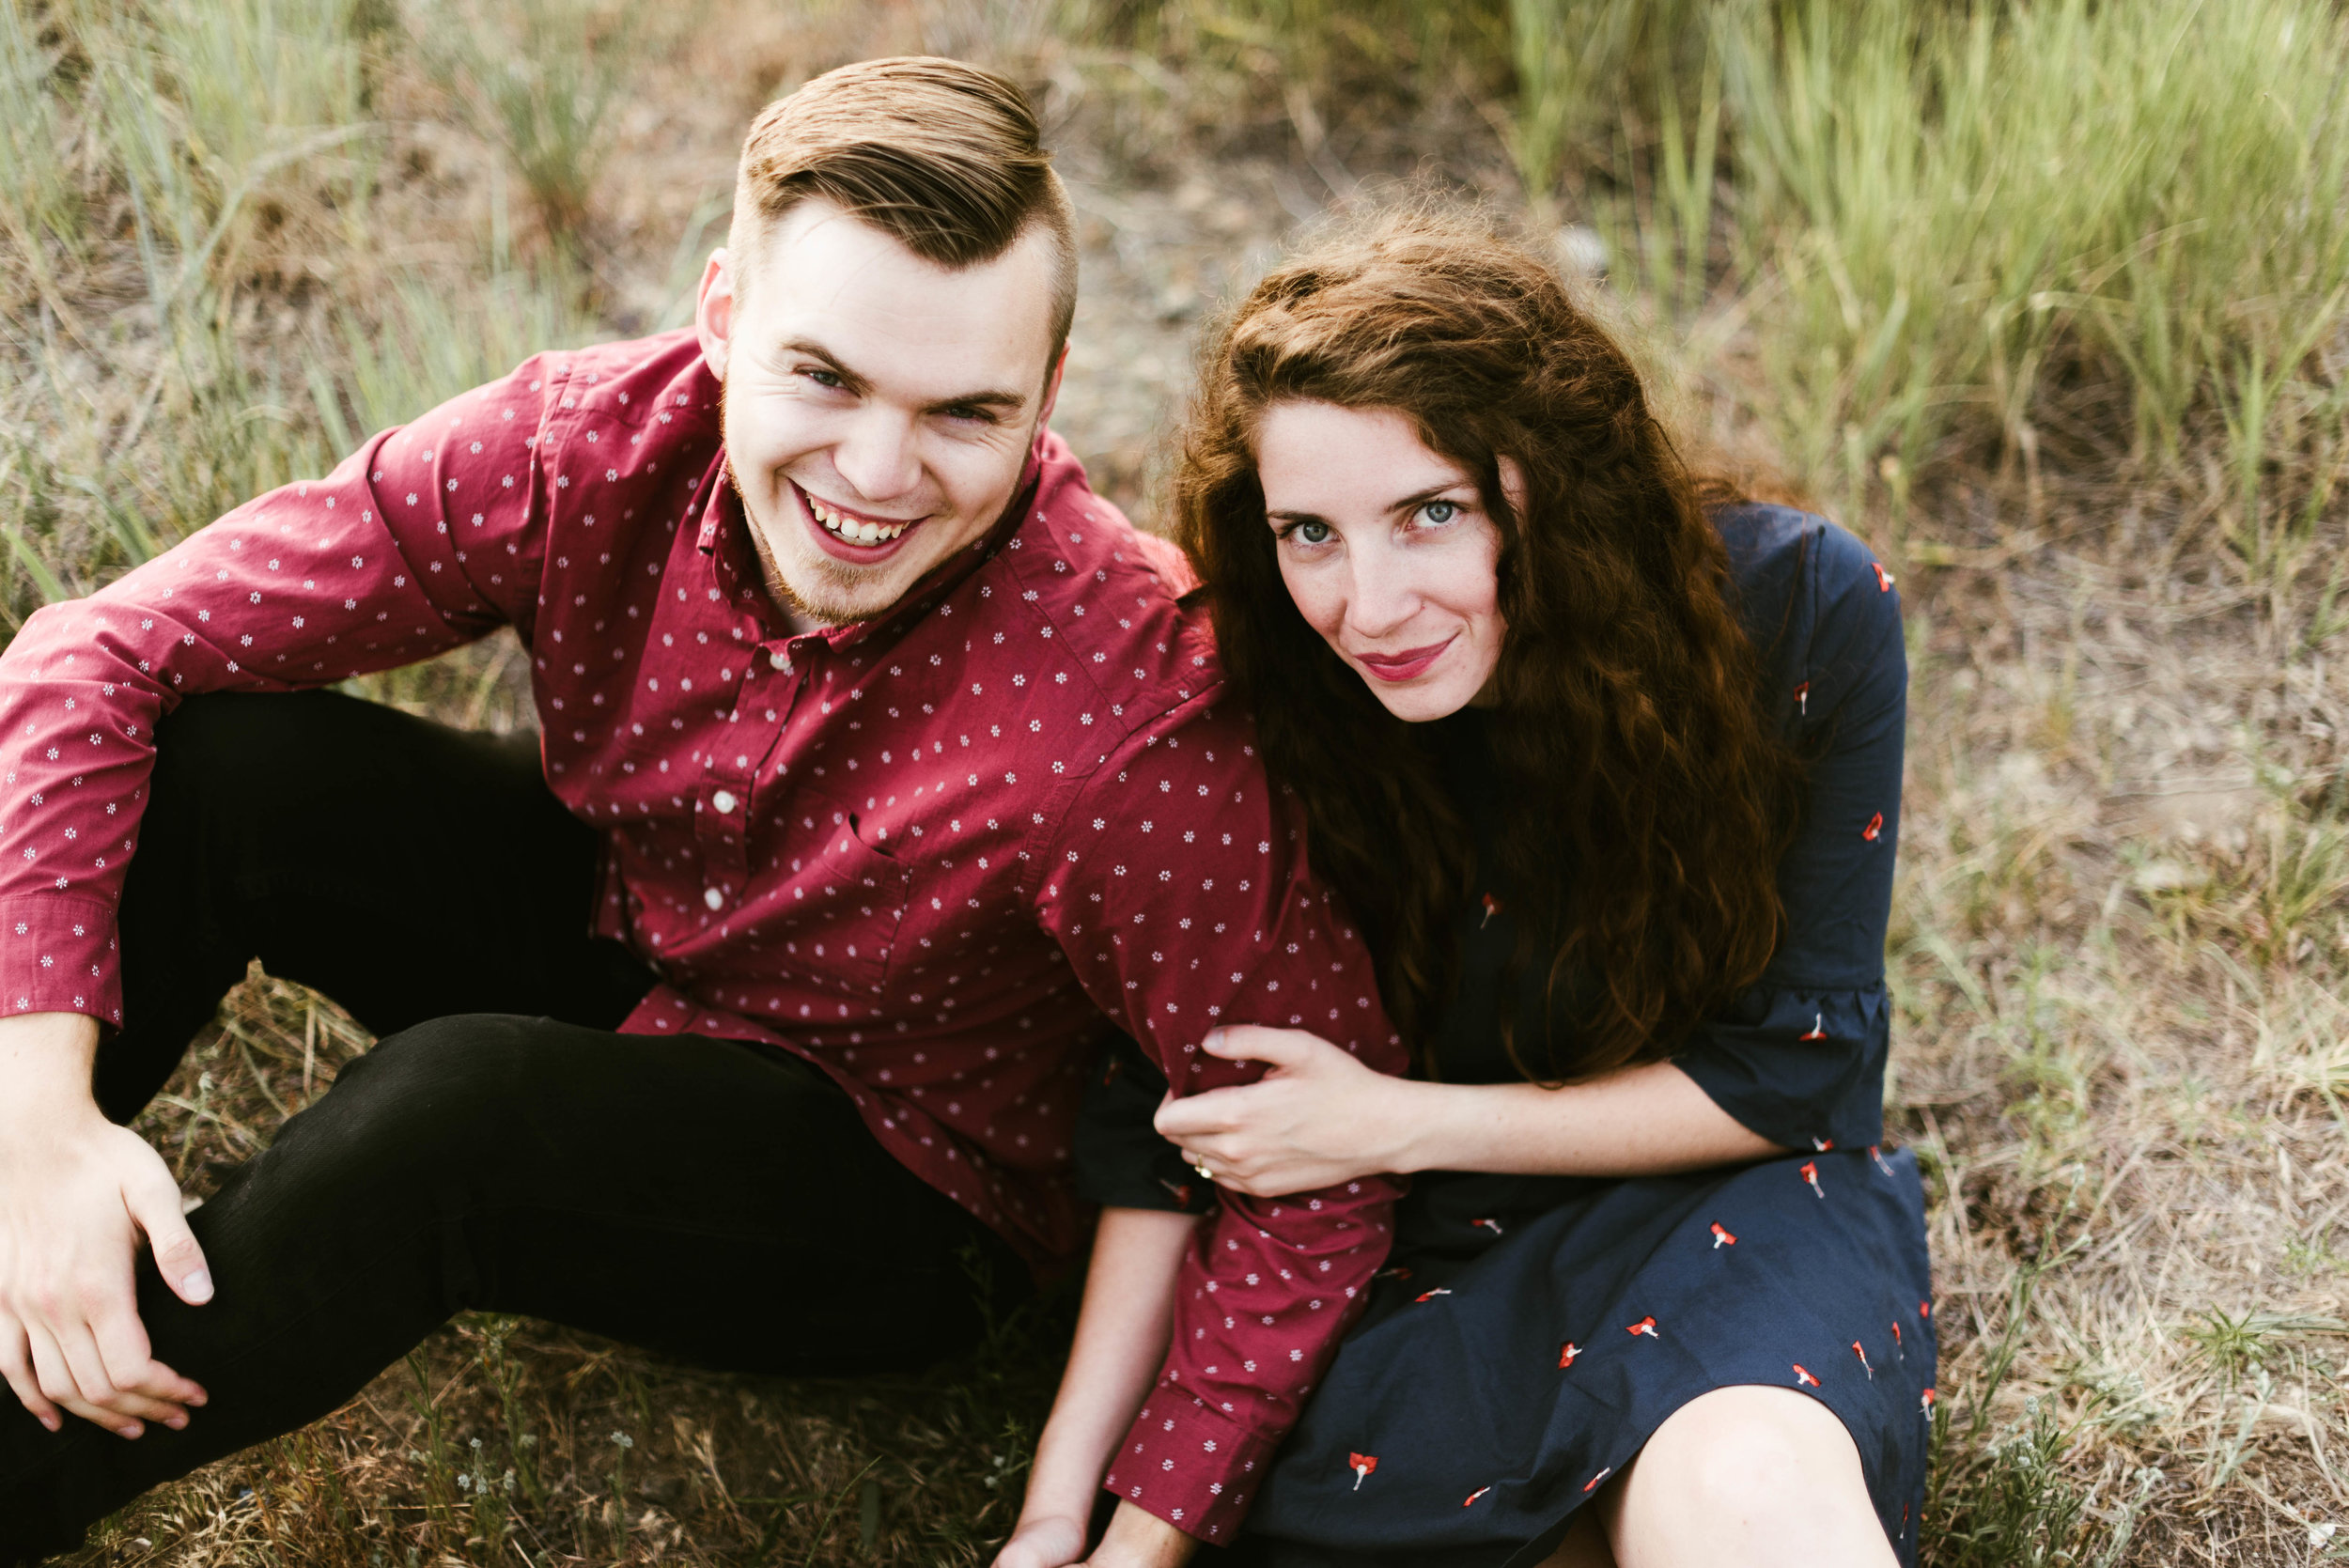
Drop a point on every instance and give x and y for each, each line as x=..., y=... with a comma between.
x=447, y=1095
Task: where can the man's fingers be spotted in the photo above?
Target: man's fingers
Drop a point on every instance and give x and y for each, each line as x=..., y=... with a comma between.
x=56, y=1382
x=154, y=1204
x=131, y=1365
x=119, y=1407
x=16, y=1365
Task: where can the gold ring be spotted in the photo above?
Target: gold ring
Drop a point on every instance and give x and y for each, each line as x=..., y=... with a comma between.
x=1200, y=1166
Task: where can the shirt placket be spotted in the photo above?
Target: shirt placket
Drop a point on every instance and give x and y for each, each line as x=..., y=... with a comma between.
x=731, y=788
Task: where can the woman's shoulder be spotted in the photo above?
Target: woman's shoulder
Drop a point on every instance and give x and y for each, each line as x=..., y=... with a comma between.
x=1801, y=581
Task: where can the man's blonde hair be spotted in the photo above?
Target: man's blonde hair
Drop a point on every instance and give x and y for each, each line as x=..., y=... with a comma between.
x=944, y=158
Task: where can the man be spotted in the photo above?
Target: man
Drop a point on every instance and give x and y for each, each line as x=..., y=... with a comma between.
x=877, y=763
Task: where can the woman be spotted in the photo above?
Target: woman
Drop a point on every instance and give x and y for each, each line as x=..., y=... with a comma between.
x=1607, y=763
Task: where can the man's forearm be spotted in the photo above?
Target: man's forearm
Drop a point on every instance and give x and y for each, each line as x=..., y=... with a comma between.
x=1121, y=1340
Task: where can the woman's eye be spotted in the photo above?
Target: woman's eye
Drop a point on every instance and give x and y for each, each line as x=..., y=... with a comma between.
x=1439, y=512
x=1314, y=532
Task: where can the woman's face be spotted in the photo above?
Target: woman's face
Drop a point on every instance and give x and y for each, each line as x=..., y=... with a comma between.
x=1388, y=551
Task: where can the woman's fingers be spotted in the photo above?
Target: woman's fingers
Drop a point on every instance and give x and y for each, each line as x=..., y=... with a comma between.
x=1247, y=1042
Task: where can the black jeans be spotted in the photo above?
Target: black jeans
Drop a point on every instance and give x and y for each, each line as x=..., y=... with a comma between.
x=502, y=1149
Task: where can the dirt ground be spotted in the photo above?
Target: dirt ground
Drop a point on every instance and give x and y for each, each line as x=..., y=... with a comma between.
x=2116, y=957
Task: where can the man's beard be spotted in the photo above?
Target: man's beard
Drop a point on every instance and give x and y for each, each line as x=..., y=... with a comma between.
x=830, y=599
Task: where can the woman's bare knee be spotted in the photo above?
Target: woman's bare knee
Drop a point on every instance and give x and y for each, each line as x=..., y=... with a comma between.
x=1749, y=1475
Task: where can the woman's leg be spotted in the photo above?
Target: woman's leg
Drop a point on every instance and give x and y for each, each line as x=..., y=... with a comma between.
x=1745, y=1477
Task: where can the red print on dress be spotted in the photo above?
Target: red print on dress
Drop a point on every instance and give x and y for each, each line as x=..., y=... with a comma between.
x=1818, y=1028
x=1876, y=1153
x=1803, y=1378
x=1592, y=1484
x=1492, y=907
x=1473, y=1495
x=1493, y=1225
x=1863, y=1360
x=1361, y=1465
x=1884, y=579
x=1925, y=1403
x=1810, y=1175
x=1645, y=1326
x=1721, y=1238
x=1802, y=699
x=1425, y=1295
x=1875, y=829
x=1568, y=1352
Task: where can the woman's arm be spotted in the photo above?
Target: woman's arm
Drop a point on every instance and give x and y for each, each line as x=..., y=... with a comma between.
x=1320, y=1117
x=1121, y=1340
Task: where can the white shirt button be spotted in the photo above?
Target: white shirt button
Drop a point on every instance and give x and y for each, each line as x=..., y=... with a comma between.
x=712, y=897
x=724, y=800
x=776, y=658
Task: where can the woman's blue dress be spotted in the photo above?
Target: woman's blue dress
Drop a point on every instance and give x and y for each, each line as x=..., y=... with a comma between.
x=1530, y=1332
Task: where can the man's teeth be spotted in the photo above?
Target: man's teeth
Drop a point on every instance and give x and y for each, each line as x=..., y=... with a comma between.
x=855, y=530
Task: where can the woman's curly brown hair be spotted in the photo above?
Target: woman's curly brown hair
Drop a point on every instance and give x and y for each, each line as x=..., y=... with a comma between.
x=1647, y=805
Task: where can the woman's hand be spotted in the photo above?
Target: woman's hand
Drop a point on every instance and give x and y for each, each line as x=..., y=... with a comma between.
x=1051, y=1541
x=1318, y=1118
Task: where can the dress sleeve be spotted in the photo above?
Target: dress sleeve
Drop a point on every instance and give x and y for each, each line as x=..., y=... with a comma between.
x=1799, y=1057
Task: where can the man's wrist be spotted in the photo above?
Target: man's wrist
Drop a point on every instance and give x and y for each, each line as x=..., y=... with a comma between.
x=45, y=1064
x=1140, y=1539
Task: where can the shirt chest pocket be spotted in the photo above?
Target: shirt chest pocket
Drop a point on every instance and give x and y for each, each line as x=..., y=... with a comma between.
x=842, y=900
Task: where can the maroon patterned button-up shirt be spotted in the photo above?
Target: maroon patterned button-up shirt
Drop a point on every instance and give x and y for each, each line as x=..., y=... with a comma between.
x=927, y=853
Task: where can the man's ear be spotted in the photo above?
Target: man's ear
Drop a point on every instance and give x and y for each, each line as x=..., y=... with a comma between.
x=713, y=311
x=1052, y=388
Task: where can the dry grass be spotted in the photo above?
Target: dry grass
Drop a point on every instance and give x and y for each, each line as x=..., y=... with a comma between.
x=2121, y=931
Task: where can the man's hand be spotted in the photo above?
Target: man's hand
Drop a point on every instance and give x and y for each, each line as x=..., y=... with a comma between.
x=1318, y=1118
x=76, y=1192
x=1053, y=1542
x=1140, y=1540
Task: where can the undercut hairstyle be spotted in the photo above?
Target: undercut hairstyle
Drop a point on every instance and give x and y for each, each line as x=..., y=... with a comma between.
x=1646, y=805
x=942, y=157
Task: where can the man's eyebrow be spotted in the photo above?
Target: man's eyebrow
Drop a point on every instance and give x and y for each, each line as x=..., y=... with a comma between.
x=813, y=350
x=985, y=397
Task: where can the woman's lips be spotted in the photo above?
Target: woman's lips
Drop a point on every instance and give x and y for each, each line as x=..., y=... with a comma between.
x=1410, y=664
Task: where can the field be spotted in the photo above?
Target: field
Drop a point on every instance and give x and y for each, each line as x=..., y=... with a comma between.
x=2047, y=300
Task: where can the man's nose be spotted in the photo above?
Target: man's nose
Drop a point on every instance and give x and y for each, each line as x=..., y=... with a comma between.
x=878, y=458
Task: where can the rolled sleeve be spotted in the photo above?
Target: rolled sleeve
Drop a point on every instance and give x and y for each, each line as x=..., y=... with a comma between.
x=1178, y=890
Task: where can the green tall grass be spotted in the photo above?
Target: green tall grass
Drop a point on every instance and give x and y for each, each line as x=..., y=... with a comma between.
x=1949, y=218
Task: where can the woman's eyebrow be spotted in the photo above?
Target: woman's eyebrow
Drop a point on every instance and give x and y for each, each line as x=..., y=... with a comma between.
x=1414, y=501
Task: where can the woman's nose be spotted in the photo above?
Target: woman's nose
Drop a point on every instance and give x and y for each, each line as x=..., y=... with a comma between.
x=1381, y=595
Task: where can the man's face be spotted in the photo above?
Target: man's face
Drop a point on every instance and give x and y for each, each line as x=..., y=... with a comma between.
x=879, y=407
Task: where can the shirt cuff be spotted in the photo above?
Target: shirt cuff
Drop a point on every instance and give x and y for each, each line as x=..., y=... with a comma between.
x=1190, y=1465
x=58, y=955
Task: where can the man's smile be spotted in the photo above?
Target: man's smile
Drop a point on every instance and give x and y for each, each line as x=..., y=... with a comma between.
x=850, y=536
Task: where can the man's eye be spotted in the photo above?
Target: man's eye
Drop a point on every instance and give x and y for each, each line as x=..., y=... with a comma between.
x=823, y=378
x=1312, y=533
x=1439, y=512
